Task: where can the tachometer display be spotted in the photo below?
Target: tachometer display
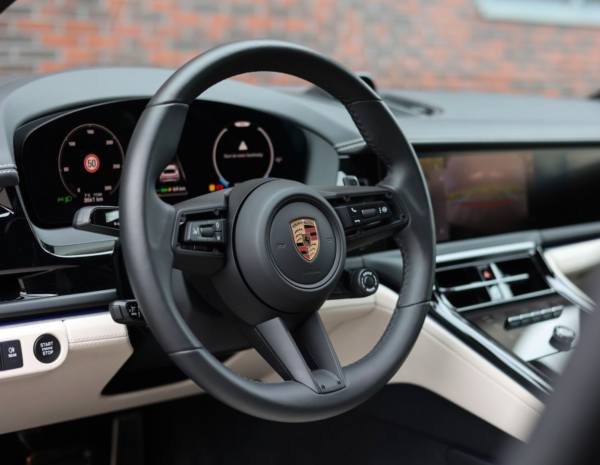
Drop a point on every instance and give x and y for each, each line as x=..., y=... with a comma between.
x=241, y=152
x=90, y=163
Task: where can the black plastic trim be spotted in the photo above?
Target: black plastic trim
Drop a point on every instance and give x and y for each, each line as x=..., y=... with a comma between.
x=52, y=305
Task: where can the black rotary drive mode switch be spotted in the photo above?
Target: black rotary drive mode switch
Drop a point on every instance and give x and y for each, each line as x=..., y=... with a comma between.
x=363, y=282
x=46, y=348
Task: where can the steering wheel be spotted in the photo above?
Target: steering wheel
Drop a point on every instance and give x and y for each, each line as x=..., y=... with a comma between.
x=267, y=253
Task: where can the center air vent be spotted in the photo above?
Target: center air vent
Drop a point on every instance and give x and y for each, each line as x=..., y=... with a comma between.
x=481, y=284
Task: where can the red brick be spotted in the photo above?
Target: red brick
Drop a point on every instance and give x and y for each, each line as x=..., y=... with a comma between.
x=77, y=27
x=295, y=24
x=258, y=23
x=79, y=55
x=104, y=42
x=55, y=40
x=186, y=19
x=33, y=25
x=47, y=67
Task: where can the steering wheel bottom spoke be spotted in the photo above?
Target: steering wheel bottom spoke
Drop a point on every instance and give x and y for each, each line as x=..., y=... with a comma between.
x=306, y=355
x=200, y=234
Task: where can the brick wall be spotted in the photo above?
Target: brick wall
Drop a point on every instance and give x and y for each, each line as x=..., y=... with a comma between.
x=426, y=44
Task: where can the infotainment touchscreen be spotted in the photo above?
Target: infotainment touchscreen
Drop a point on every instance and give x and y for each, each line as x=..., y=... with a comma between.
x=477, y=194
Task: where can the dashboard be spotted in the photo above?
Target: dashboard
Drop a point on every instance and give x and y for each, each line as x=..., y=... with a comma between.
x=75, y=159
x=493, y=164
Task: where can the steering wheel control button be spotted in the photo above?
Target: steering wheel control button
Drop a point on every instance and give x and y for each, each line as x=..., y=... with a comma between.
x=562, y=338
x=369, y=212
x=209, y=231
x=364, y=213
x=46, y=348
x=12, y=357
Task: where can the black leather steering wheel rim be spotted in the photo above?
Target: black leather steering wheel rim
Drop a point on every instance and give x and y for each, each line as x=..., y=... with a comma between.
x=146, y=229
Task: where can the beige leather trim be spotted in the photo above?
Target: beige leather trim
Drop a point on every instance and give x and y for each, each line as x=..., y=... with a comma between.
x=97, y=347
x=441, y=363
x=571, y=263
x=574, y=259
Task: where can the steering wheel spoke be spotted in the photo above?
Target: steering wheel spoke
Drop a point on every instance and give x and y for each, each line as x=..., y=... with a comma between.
x=304, y=355
x=200, y=234
x=367, y=213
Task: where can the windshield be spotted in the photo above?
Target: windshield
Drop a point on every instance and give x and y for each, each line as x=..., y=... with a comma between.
x=539, y=47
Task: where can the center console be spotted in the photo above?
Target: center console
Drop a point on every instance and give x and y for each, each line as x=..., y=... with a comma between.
x=508, y=303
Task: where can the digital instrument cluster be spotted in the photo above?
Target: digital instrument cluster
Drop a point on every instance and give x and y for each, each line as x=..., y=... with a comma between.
x=76, y=158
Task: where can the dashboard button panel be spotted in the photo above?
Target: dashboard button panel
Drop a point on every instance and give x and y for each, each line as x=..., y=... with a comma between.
x=12, y=356
x=528, y=318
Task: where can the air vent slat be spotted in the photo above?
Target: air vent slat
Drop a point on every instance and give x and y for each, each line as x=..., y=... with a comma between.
x=490, y=283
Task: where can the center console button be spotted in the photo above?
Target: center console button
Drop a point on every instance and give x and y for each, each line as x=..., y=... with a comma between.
x=562, y=338
x=46, y=348
x=536, y=316
x=513, y=322
x=12, y=357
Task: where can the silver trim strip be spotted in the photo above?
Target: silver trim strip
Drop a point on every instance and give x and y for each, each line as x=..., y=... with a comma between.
x=480, y=284
x=486, y=252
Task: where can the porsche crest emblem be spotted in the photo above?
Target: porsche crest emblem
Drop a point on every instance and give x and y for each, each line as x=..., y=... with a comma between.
x=306, y=237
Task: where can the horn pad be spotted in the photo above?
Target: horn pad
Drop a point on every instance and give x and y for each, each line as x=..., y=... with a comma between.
x=289, y=246
x=302, y=243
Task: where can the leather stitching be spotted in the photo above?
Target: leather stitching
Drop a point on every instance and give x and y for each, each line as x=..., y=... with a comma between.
x=405, y=271
x=386, y=161
x=102, y=336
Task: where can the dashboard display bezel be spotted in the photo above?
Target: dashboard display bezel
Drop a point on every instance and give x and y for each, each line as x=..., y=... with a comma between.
x=40, y=184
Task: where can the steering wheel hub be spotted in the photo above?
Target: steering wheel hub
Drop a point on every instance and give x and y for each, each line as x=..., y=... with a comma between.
x=289, y=245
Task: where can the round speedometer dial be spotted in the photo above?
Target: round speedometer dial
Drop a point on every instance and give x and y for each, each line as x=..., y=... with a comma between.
x=241, y=152
x=90, y=163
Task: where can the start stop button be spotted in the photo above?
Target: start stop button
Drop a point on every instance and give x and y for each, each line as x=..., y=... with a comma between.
x=46, y=348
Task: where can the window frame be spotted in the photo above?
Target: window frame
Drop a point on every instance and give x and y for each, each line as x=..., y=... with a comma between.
x=566, y=13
